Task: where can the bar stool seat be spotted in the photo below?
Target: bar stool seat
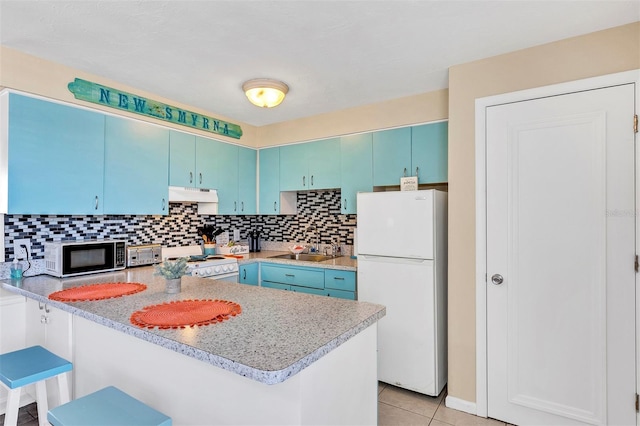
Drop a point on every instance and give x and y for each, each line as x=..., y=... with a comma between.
x=28, y=366
x=108, y=406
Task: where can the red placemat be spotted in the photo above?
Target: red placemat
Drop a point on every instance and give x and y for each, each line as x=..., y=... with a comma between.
x=97, y=292
x=185, y=313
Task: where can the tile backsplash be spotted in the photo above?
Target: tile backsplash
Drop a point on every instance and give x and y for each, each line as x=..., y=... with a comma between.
x=318, y=208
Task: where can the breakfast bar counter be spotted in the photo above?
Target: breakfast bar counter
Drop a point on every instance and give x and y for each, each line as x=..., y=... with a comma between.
x=280, y=361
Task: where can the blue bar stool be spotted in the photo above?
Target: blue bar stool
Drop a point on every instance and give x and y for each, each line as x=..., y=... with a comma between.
x=108, y=406
x=28, y=366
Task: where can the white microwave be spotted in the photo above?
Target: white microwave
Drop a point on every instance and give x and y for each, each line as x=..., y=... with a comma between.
x=71, y=258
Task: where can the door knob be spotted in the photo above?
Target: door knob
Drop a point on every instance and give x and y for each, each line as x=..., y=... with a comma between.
x=497, y=279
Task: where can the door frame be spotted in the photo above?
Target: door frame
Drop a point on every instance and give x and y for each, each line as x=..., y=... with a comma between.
x=481, y=105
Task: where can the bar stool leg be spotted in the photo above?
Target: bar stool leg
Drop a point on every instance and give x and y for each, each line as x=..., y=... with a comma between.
x=13, y=405
x=41, y=399
x=63, y=389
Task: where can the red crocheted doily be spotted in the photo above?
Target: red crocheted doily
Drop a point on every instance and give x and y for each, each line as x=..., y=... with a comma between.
x=97, y=292
x=185, y=313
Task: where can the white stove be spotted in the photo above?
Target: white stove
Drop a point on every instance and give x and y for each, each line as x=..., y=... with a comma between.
x=216, y=267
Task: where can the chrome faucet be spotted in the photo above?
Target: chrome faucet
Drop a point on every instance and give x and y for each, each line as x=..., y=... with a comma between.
x=315, y=248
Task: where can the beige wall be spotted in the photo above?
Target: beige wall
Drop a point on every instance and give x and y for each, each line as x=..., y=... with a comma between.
x=30, y=74
x=595, y=54
x=431, y=106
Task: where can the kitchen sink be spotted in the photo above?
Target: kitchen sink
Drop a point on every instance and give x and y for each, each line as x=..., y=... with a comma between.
x=305, y=257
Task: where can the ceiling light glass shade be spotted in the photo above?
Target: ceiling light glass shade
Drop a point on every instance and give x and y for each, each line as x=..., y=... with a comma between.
x=265, y=92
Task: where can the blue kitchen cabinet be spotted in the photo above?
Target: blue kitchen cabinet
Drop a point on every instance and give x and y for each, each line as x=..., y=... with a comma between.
x=294, y=167
x=319, y=281
x=247, y=163
x=182, y=159
x=192, y=161
x=339, y=283
x=278, y=286
x=293, y=275
x=429, y=152
x=391, y=156
x=356, y=169
x=324, y=164
x=136, y=162
x=312, y=165
x=207, y=173
x=269, y=174
x=249, y=274
x=237, y=179
x=55, y=158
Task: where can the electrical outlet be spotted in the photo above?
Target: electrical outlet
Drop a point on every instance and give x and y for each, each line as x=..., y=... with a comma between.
x=236, y=235
x=19, y=251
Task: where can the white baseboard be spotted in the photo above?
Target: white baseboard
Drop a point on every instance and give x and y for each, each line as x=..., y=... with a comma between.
x=460, y=404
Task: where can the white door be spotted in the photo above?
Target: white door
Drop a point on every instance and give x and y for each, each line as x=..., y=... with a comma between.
x=407, y=355
x=396, y=223
x=561, y=234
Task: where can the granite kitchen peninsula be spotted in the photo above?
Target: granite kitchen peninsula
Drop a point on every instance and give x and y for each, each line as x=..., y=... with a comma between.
x=287, y=358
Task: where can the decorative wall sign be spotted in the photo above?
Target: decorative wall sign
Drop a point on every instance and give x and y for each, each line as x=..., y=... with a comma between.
x=103, y=95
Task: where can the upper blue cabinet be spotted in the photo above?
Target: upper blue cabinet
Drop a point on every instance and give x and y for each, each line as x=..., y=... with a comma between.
x=410, y=151
x=429, y=145
x=356, y=164
x=312, y=165
x=391, y=156
x=237, y=176
x=55, y=157
x=192, y=161
x=269, y=169
x=136, y=167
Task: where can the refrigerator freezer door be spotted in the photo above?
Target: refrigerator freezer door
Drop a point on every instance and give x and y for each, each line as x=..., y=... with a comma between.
x=407, y=355
x=396, y=224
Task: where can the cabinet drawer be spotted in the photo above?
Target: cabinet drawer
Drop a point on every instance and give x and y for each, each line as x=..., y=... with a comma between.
x=308, y=290
x=340, y=280
x=307, y=277
x=276, y=285
x=350, y=295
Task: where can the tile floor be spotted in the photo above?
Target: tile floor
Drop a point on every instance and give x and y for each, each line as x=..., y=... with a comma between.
x=396, y=407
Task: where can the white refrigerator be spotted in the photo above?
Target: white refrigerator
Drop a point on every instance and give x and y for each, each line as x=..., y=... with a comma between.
x=402, y=264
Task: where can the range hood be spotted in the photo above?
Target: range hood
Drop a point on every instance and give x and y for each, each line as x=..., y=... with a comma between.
x=207, y=199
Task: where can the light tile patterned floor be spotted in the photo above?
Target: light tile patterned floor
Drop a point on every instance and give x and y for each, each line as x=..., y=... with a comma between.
x=400, y=407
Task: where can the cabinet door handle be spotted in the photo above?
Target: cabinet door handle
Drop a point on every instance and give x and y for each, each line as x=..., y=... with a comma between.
x=345, y=203
x=163, y=204
x=311, y=180
x=200, y=178
x=405, y=172
x=274, y=206
x=338, y=278
x=96, y=202
x=289, y=275
x=190, y=177
x=241, y=206
x=304, y=180
x=244, y=272
x=416, y=171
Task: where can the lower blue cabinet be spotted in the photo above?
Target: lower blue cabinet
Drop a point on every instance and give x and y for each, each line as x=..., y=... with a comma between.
x=249, y=274
x=319, y=281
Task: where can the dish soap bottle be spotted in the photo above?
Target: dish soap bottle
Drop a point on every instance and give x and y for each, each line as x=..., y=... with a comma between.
x=16, y=269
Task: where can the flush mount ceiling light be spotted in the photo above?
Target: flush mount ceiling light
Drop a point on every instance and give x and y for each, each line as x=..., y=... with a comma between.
x=265, y=92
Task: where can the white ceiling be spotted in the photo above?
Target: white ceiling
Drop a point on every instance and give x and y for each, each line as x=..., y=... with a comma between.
x=332, y=54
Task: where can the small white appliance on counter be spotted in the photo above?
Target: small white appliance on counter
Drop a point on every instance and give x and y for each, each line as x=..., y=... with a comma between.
x=402, y=264
x=70, y=258
x=143, y=255
x=214, y=266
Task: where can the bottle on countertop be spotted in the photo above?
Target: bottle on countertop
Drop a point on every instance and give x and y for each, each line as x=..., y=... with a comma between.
x=16, y=269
